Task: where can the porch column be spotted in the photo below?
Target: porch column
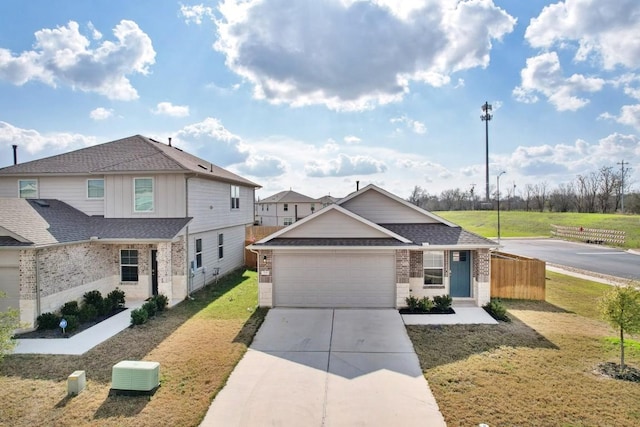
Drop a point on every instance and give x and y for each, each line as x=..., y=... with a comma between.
x=403, y=273
x=265, y=278
x=164, y=270
x=482, y=276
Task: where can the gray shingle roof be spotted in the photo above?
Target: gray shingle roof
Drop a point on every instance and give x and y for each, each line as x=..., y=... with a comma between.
x=288, y=196
x=332, y=242
x=132, y=154
x=52, y=221
x=438, y=234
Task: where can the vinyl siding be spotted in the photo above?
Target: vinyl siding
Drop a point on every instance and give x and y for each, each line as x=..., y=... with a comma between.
x=168, y=196
x=334, y=224
x=210, y=205
x=382, y=210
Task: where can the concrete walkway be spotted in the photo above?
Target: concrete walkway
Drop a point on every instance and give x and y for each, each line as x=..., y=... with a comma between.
x=326, y=367
x=462, y=316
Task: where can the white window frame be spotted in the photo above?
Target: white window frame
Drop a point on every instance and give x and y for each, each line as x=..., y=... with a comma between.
x=20, y=181
x=198, y=253
x=152, y=195
x=287, y=221
x=94, y=197
x=137, y=266
x=220, y=245
x=286, y=207
x=235, y=197
x=430, y=262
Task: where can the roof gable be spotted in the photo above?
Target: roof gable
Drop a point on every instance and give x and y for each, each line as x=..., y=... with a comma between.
x=288, y=196
x=382, y=207
x=334, y=222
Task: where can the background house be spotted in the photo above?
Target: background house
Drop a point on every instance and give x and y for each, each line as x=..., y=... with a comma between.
x=134, y=213
x=286, y=207
x=372, y=249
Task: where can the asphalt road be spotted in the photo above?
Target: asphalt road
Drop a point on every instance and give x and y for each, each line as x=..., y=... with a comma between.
x=596, y=258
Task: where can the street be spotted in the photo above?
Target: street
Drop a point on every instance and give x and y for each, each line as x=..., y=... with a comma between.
x=596, y=258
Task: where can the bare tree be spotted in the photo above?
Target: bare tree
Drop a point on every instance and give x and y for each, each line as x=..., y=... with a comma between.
x=527, y=195
x=540, y=195
x=607, y=182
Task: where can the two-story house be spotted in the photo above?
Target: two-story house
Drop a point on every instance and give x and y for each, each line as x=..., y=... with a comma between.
x=286, y=207
x=135, y=213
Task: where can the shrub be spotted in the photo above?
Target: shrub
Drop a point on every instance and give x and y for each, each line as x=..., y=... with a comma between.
x=87, y=313
x=72, y=322
x=92, y=297
x=150, y=307
x=412, y=302
x=425, y=304
x=70, y=309
x=107, y=306
x=117, y=297
x=48, y=321
x=497, y=310
x=139, y=316
x=161, y=301
x=442, y=302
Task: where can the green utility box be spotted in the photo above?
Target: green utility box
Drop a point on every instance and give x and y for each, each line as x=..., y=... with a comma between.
x=135, y=376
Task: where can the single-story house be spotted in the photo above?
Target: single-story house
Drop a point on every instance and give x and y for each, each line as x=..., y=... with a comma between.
x=371, y=249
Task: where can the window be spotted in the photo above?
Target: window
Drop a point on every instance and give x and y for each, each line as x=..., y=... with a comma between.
x=198, y=253
x=288, y=221
x=286, y=207
x=128, y=265
x=28, y=188
x=143, y=194
x=313, y=207
x=235, y=197
x=262, y=207
x=95, y=189
x=433, y=263
x=220, y=246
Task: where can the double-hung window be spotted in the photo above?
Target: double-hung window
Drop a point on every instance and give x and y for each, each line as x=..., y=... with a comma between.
x=286, y=207
x=235, y=197
x=95, y=189
x=198, y=253
x=128, y=265
x=220, y=246
x=28, y=188
x=143, y=194
x=433, y=264
x=287, y=221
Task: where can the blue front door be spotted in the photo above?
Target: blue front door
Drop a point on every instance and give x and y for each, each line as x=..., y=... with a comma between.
x=460, y=278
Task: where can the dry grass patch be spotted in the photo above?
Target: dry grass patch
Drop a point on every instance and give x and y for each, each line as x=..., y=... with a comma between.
x=198, y=343
x=538, y=370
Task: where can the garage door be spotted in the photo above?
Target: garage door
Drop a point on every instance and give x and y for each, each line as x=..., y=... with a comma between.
x=10, y=285
x=337, y=279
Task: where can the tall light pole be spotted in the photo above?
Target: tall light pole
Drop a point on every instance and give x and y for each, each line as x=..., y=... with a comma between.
x=622, y=185
x=498, y=197
x=485, y=117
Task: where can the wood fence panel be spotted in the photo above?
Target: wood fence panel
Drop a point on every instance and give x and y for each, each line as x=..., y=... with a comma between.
x=517, y=277
x=253, y=233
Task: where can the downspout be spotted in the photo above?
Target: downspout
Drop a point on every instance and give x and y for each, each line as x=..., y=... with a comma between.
x=38, y=305
x=186, y=239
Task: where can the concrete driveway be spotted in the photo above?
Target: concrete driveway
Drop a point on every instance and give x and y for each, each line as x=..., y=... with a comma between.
x=326, y=367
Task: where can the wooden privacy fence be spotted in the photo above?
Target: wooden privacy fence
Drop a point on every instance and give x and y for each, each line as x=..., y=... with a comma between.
x=517, y=277
x=252, y=234
x=589, y=235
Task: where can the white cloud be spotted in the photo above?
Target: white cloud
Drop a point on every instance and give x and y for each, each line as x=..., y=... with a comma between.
x=101, y=113
x=351, y=139
x=95, y=34
x=195, y=14
x=543, y=74
x=414, y=125
x=168, y=109
x=263, y=166
x=294, y=52
x=64, y=56
x=604, y=30
x=214, y=142
x=345, y=165
x=44, y=145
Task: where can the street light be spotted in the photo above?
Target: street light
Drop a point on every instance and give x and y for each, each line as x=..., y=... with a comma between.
x=485, y=117
x=498, y=197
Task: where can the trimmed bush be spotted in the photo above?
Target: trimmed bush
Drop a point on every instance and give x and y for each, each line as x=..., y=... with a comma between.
x=425, y=304
x=161, y=301
x=117, y=297
x=70, y=309
x=442, y=302
x=72, y=322
x=107, y=306
x=139, y=316
x=88, y=313
x=497, y=310
x=412, y=302
x=48, y=321
x=150, y=307
x=92, y=297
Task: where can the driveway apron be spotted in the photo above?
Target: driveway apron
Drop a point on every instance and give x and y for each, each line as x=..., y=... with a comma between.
x=326, y=367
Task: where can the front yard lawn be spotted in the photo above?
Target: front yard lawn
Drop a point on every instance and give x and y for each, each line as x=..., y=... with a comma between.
x=198, y=343
x=538, y=370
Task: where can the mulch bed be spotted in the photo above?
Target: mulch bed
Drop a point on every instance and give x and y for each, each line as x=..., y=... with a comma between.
x=57, y=333
x=432, y=311
x=612, y=370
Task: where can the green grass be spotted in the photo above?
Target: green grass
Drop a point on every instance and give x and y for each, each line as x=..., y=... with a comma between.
x=562, y=292
x=530, y=224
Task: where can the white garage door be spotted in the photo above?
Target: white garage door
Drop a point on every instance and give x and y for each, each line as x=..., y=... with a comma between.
x=337, y=279
x=10, y=286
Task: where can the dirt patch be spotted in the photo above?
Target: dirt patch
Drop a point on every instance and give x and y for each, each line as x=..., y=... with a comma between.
x=612, y=370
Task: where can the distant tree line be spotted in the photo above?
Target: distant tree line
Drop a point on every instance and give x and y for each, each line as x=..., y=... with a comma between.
x=596, y=192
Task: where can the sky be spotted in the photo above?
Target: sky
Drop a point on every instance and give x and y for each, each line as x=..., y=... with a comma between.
x=314, y=95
